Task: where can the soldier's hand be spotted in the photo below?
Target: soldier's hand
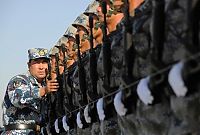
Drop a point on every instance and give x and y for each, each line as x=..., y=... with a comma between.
x=51, y=86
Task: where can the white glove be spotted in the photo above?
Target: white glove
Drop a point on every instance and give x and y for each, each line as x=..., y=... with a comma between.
x=42, y=130
x=176, y=81
x=64, y=121
x=78, y=120
x=100, y=110
x=144, y=92
x=56, y=126
x=119, y=106
x=86, y=115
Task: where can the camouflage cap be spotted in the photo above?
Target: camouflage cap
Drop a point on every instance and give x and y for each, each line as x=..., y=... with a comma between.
x=81, y=20
x=92, y=8
x=62, y=40
x=36, y=53
x=70, y=32
x=53, y=51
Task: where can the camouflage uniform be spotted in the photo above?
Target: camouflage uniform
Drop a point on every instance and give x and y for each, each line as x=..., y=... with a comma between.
x=95, y=126
x=179, y=44
x=22, y=102
x=136, y=121
x=109, y=125
x=81, y=20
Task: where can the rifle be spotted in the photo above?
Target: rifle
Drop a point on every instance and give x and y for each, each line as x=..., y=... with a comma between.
x=158, y=26
x=92, y=62
x=128, y=96
x=82, y=83
x=81, y=75
x=59, y=92
x=127, y=28
x=93, y=95
x=67, y=93
x=106, y=49
x=51, y=114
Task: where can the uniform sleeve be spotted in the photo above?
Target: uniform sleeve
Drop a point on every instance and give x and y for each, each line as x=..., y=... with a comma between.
x=21, y=93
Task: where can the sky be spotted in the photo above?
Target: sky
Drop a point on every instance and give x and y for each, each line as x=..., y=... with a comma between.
x=26, y=24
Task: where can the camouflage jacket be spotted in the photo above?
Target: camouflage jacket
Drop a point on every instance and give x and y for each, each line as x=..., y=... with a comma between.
x=22, y=102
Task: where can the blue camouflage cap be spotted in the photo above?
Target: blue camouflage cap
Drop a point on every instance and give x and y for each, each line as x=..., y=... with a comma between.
x=36, y=53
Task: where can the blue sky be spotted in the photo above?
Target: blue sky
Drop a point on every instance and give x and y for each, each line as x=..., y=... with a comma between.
x=26, y=24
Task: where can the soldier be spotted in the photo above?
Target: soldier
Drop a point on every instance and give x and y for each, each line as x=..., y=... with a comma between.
x=24, y=93
x=79, y=76
x=180, y=43
x=90, y=67
x=81, y=24
x=109, y=124
x=97, y=32
x=69, y=57
x=52, y=54
x=70, y=34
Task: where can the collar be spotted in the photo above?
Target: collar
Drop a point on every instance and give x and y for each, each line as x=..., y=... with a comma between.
x=33, y=80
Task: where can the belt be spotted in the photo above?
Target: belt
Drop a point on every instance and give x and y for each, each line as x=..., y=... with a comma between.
x=22, y=127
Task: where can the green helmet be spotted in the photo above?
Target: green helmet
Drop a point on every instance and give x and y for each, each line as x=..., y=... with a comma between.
x=62, y=40
x=53, y=51
x=70, y=32
x=81, y=20
x=92, y=8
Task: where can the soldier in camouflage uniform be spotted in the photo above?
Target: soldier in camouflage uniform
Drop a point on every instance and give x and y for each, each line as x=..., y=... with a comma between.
x=97, y=32
x=119, y=78
x=21, y=107
x=70, y=34
x=70, y=64
x=180, y=43
x=109, y=124
x=82, y=30
x=91, y=71
x=137, y=65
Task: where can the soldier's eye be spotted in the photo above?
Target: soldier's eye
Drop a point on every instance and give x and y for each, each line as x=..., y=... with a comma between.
x=75, y=46
x=82, y=40
x=85, y=37
x=97, y=25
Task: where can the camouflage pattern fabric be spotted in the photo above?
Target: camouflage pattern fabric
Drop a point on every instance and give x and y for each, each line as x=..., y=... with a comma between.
x=168, y=114
x=81, y=20
x=38, y=53
x=70, y=32
x=92, y=8
x=22, y=103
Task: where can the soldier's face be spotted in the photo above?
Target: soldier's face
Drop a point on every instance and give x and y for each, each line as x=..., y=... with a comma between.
x=95, y=21
x=70, y=50
x=100, y=14
x=70, y=45
x=118, y=4
x=53, y=67
x=38, y=68
x=84, y=43
x=98, y=36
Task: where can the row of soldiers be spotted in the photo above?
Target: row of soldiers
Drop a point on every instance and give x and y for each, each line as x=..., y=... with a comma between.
x=127, y=67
